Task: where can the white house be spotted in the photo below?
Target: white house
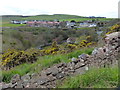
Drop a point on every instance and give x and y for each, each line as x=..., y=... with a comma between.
x=93, y=25
x=70, y=24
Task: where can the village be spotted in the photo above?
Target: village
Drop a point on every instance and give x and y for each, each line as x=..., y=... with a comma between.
x=60, y=24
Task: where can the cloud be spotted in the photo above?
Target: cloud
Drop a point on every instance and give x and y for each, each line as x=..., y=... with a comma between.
x=76, y=7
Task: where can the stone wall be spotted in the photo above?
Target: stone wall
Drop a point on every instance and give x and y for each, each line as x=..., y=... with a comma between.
x=47, y=78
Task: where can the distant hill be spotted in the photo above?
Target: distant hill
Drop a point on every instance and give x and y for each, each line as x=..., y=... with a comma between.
x=43, y=17
x=39, y=17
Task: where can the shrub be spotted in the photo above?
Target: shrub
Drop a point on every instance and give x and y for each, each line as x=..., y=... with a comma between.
x=71, y=46
x=14, y=57
x=114, y=28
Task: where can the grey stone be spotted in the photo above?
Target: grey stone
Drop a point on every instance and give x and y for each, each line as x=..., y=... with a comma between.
x=80, y=70
x=55, y=70
x=34, y=75
x=31, y=85
x=4, y=86
x=43, y=73
x=83, y=56
x=61, y=65
x=19, y=85
x=42, y=80
x=71, y=71
x=51, y=78
x=25, y=77
x=48, y=71
x=60, y=75
x=74, y=59
x=12, y=85
x=79, y=64
x=71, y=65
x=15, y=78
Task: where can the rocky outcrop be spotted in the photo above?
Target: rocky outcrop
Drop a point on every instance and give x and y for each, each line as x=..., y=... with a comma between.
x=109, y=54
x=47, y=78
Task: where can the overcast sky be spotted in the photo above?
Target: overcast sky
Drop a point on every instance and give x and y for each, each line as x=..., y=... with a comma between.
x=107, y=8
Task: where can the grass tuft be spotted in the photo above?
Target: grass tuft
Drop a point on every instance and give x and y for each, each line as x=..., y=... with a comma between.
x=94, y=78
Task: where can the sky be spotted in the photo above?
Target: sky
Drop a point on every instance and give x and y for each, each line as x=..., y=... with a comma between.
x=106, y=8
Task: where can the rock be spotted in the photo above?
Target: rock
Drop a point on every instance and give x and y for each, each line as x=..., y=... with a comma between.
x=51, y=78
x=54, y=70
x=19, y=84
x=48, y=72
x=42, y=80
x=34, y=75
x=112, y=36
x=5, y=85
x=71, y=65
x=25, y=77
x=35, y=85
x=79, y=64
x=12, y=85
x=43, y=73
x=60, y=75
x=80, y=70
x=60, y=65
x=74, y=59
x=83, y=56
x=81, y=60
x=15, y=78
x=95, y=51
x=26, y=84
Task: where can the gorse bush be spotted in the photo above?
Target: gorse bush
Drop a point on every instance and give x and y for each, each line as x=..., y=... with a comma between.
x=13, y=57
x=114, y=28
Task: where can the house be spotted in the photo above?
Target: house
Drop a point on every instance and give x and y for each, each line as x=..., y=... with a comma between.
x=43, y=23
x=88, y=23
x=19, y=22
x=93, y=25
x=70, y=24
